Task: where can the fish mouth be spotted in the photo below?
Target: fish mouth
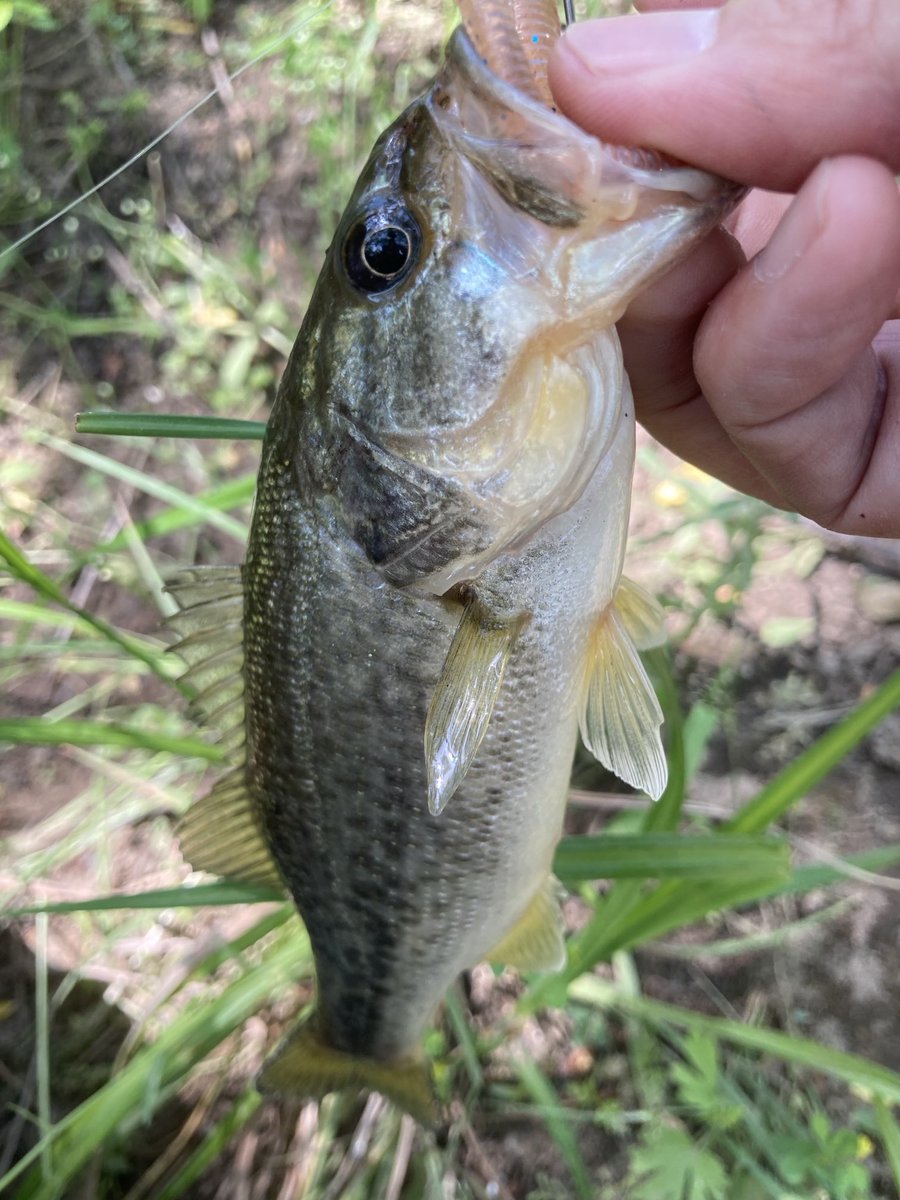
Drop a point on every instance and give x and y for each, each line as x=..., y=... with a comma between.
x=544, y=163
x=591, y=223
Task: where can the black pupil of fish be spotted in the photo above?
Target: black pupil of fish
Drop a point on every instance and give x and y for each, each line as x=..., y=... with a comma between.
x=385, y=251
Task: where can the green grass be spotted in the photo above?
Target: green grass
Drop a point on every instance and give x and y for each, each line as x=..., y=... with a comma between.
x=87, y=532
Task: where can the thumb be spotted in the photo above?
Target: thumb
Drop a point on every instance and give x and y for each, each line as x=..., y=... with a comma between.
x=758, y=90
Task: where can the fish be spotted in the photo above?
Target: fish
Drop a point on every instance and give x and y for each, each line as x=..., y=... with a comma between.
x=432, y=604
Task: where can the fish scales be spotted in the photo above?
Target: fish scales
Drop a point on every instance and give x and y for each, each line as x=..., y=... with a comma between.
x=433, y=602
x=382, y=882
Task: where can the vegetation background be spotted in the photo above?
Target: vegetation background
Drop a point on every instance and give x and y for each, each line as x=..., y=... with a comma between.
x=727, y=1025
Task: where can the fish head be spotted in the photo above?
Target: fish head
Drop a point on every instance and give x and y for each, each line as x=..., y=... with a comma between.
x=459, y=369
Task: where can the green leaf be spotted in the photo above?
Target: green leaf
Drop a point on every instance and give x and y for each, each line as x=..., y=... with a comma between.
x=699, y=1084
x=664, y=815
x=215, y=1140
x=650, y=915
x=699, y=726
x=765, y=939
x=795, y=1157
x=807, y=879
x=889, y=1132
x=21, y=610
x=674, y=1167
x=229, y=495
x=237, y=361
x=115, y=424
x=599, y=940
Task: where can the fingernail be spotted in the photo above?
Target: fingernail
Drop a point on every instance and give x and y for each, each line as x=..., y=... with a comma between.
x=642, y=43
x=797, y=230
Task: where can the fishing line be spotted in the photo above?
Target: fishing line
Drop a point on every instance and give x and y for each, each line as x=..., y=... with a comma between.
x=266, y=51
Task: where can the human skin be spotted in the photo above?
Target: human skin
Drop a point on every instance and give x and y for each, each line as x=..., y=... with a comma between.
x=771, y=357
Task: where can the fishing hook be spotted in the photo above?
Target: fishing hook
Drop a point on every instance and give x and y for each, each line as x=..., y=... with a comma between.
x=569, y=9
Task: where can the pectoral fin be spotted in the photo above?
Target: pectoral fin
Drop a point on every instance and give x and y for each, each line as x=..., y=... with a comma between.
x=535, y=942
x=620, y=715
x=464, y=699
x=305, y=1065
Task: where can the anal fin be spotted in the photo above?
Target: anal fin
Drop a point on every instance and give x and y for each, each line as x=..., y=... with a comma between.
x=536, y=942
x=620, y=715
x=464, y=698
x=220, y=834
x=305, y=1065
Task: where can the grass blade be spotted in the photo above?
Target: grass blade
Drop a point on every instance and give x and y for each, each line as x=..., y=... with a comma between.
x=650, y=916
x=229, y=495
x=157, y=1070
x=728, y=947
x=661, y=817
x=664, y=815
x=27, y=572
x=669, y=856
x=806, y=879
x=802, y=1052
x=815, y=763
x=146, y=483
x=216, y=1139
x=38, y=614
x=547, y=1103
x=201, y=896
x=36, y=731
x=889, y=1132
x=168, y=425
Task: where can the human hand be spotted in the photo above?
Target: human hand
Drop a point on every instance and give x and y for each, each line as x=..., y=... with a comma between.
x=770, y=357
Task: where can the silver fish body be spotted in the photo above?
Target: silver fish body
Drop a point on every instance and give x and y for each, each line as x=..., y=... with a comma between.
x=432, y=594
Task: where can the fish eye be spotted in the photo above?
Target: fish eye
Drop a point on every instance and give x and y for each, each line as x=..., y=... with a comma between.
x=381, y=250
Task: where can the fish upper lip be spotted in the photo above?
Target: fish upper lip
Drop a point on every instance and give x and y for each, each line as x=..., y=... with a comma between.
x=645, y=168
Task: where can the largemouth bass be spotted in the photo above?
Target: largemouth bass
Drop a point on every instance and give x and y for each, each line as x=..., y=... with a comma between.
x=432, y=602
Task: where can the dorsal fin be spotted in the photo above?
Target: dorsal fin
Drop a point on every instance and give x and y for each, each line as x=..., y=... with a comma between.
x=464, y=698
x=210, y=641
x=220, y=834
x=620, y=715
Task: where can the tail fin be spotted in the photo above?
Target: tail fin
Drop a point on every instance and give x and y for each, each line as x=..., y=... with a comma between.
x=305, y=1065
